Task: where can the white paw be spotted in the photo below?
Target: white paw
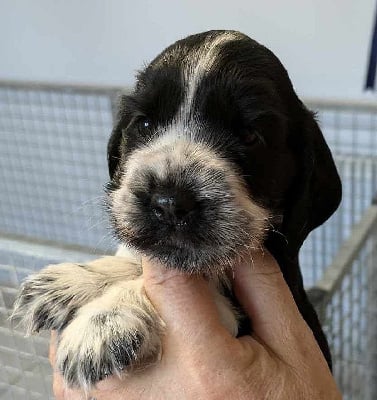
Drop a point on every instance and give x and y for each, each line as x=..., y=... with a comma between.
x=99, y=343
x=46, y=299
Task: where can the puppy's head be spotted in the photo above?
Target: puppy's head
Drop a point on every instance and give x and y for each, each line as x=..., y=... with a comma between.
x=212, y=152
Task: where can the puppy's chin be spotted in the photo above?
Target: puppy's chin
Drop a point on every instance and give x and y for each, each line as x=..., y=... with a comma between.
x=210, y=260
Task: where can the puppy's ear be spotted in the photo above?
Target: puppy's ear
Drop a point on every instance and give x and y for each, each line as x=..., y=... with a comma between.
x=317, y=191
x=113, y=146
x=113, y=149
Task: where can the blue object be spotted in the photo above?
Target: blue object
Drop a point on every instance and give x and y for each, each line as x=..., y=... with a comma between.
x=371, y=74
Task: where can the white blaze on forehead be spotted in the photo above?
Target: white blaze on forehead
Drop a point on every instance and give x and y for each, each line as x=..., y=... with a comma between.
x=200, y=62
x=196, y=63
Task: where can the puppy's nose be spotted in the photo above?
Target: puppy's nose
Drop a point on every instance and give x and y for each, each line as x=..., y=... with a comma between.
x=173, y=208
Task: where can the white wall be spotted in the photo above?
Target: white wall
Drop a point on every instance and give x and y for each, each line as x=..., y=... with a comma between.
x=323, y=43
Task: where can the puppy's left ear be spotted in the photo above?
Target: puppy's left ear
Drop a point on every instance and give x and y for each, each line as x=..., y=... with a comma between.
x=317, y=191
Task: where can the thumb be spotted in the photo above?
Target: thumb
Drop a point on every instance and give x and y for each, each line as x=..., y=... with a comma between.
x=184, y=302
x=266, y=298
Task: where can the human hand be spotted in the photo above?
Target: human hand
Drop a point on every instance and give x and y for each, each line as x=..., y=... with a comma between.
x=280, y=360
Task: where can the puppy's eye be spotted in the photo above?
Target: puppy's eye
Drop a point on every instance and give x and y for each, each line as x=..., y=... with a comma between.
x=143, y=124
x=251, y=137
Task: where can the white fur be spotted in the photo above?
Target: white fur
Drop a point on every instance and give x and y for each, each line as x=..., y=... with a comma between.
x=200, y=64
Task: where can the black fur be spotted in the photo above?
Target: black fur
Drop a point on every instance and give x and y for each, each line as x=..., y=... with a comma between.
x=247, y=111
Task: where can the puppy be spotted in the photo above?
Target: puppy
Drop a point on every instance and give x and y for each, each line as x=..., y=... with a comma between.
x=212, y=154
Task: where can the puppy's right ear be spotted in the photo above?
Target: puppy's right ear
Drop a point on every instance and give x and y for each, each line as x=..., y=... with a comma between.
x=114, y=144
x=318, y=188
x=113, y=149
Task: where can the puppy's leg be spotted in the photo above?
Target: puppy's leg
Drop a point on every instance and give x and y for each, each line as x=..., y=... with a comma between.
x=50, y=298
x=116, y=332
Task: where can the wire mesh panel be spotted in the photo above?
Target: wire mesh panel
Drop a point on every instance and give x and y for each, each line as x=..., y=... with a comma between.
x=53, y=163
x=350, y=127
x=350, y=131
x=349, y=315
x=359, y=181
x=349, y=309
x=25, y=372
x=52, y=171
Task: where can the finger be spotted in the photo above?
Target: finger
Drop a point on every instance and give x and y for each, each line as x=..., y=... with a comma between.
x=184, y=302
x=263, y=293
x=59, y=388
x=62, y=392
x=52, y=349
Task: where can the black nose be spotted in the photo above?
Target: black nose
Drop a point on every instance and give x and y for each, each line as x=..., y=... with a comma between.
x=174, y=207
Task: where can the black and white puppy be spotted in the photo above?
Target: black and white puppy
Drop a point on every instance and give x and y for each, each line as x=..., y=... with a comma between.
x=212, y=154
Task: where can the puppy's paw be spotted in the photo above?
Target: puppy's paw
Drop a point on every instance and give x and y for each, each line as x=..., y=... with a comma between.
x=49, y=299
x=103, y=341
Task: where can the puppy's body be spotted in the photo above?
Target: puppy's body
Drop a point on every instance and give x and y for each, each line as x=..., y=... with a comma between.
x=213, y=154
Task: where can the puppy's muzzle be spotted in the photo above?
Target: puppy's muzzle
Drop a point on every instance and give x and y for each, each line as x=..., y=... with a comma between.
x=184, y=204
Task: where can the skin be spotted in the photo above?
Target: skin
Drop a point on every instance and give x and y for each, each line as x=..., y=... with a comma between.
x=280, y=360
